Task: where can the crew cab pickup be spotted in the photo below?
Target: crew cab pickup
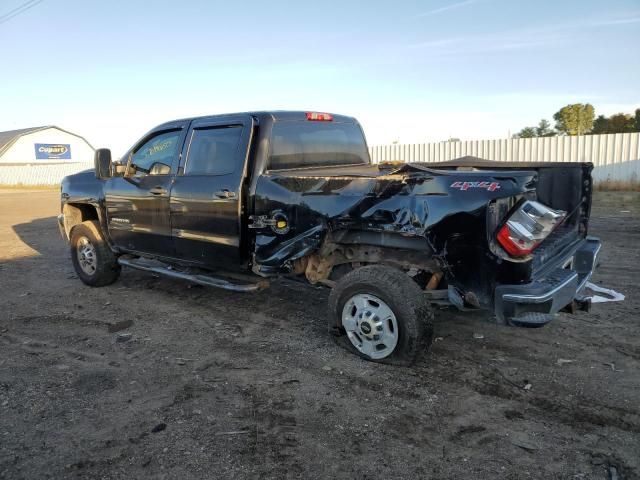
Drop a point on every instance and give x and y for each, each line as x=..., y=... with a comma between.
x=234, y=200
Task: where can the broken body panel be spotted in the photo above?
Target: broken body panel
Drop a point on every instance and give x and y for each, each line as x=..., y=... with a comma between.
x=444, y=217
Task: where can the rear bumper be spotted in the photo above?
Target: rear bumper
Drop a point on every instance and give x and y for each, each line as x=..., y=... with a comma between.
x=534, y=304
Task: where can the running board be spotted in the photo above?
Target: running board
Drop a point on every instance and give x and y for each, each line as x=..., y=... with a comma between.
x=199, y=278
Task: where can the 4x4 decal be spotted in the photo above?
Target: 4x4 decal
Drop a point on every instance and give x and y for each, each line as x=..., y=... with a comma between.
x=491, y=186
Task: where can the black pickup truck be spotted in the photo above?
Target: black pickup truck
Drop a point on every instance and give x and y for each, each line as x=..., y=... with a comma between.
x=233, y=200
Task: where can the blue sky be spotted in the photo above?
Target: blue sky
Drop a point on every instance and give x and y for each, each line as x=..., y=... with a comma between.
x=411, y=71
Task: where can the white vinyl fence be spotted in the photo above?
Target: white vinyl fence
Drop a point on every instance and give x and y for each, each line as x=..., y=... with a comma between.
x=616, y=157
x=39, y=174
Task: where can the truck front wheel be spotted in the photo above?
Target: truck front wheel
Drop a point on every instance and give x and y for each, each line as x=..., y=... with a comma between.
x=381, y=314
x=93, y=260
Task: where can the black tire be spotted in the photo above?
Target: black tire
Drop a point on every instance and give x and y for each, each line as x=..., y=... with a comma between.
x=106, y=268
x=404, y=297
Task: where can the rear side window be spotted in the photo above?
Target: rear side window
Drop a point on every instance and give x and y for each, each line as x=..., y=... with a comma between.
x=213, y=151
x=310, y=144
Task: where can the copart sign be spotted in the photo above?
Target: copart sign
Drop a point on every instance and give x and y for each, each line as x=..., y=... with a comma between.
x=53, y=151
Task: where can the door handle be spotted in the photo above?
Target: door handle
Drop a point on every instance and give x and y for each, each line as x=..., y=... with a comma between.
x=158, y=191
x=225, y=194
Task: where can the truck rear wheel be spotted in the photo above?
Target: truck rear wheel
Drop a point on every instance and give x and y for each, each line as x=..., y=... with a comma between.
x=93, y=260
x=381, y=314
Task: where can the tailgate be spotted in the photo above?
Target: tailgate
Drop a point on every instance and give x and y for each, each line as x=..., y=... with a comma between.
x=563, y=186
x=560, y=185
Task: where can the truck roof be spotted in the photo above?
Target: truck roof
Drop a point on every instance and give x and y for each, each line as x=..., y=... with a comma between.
x=273, y=115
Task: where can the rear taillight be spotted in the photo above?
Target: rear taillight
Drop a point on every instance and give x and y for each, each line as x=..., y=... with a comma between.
x=319, y=117
x=527, y=227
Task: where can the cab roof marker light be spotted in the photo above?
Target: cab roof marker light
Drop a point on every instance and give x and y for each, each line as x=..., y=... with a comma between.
x=319, y=117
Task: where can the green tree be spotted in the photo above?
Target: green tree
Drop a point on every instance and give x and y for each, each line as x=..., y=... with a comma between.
x=621, y=123
x=600, y=125
x=526, y=132
x=637, y=120
x=575, y=119
x=544, y=129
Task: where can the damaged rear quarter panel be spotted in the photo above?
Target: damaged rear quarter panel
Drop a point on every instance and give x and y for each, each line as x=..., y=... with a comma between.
x=409, y=201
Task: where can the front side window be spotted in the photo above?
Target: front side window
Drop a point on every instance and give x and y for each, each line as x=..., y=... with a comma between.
x=316, y=144
x=156, y=155
x=213, y=151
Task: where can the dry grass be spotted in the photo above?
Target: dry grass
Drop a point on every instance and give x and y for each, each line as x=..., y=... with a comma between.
x=608, y=202
x=20, y=186
x=617, y=186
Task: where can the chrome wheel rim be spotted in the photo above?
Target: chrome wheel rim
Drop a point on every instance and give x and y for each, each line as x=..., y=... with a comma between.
x=86, y=253
x=371, y=325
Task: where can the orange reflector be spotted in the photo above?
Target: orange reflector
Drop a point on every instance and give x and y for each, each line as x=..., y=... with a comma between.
x=319, y=117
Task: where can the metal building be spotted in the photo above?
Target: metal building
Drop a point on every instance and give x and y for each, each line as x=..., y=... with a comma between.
x=42, y=155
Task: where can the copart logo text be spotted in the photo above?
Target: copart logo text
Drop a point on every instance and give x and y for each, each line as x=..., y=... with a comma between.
x=54, y=150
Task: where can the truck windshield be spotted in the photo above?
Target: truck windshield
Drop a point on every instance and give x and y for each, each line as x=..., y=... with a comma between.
x=316, y=144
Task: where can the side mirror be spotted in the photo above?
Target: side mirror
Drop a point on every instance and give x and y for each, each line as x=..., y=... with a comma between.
x=118, y=169
x=102, y=163
x=159, y=168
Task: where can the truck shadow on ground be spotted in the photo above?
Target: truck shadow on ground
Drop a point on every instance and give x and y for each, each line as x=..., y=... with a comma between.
x=41, y=235
x=288, y=298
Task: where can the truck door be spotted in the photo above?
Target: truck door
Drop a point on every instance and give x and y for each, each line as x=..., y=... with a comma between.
x=138, y=202
x=206, y=198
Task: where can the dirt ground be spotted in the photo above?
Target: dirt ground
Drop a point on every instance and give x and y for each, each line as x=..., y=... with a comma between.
x=220, y=385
